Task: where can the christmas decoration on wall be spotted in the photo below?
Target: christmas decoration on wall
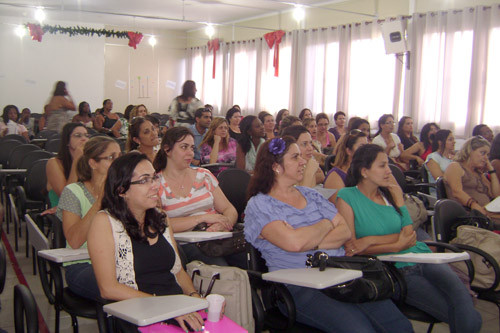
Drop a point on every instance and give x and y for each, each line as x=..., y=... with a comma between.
x=213, y=45
x=37, y=31
x=274, y=38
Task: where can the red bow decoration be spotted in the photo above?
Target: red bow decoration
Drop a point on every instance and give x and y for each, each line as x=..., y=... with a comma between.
x=134, y=39
x=271, y=39
x=213, y=45
x=36, y=31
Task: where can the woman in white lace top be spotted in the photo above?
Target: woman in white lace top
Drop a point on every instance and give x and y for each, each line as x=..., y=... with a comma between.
x=131, y=246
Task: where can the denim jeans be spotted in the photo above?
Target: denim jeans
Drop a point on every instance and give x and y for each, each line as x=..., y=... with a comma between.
x=318, y=310
x=81, y=280
x=437, y=290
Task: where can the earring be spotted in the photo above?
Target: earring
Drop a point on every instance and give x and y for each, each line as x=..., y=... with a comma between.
x=277, y=172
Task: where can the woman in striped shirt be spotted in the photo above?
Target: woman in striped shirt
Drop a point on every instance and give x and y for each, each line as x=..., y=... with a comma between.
x=190, y=196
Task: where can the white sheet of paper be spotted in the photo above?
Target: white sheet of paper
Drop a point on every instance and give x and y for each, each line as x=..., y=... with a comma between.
x=426, y=258
x=493, y=206
x=312, y=277
x=201, y=236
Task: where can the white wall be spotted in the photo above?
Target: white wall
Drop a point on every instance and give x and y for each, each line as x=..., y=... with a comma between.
x=29, y=69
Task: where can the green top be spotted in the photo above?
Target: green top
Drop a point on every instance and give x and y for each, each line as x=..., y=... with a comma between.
x=372, y=219
x=53, y=198
x=77, y=199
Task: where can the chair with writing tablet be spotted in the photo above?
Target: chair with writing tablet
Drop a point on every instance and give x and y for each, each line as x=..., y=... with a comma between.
x=25, y=310
x=57, y=294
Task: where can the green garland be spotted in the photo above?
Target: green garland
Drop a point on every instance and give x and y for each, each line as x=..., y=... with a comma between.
x=75, y=31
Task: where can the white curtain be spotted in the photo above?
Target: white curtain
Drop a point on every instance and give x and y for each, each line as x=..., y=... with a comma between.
x=453, y=77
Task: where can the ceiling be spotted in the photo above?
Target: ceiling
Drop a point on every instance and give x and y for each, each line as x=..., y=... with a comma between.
x=180, y=15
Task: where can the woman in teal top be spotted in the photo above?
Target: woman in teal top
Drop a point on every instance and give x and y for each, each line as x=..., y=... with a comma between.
x=61, y=170
x=374, y=210
x=79, y=203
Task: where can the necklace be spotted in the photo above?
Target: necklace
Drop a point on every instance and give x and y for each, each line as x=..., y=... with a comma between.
x=181, y=185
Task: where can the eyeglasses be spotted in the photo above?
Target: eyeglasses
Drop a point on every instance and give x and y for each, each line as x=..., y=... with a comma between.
x=146, y=180
x=80, y=135
x=110, y=158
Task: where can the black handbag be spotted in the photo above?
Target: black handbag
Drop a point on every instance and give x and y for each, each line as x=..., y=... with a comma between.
x=223, y=247
x=380, y=281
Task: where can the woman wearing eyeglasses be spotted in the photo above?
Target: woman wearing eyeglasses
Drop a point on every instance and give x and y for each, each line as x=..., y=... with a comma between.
x=78, y=205
x=130, y=241
x=190, y=196
x=61, y=170
x=326, y=138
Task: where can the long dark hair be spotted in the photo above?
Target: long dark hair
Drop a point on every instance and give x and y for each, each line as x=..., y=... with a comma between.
x=133, y=132
x=172, y=135
x=364, y=158
x=188, y=89
x=495, y=148
x=356, y=124
x=263, y=177
x=6, y=110
x=401, y=133
x=60, y=89
x=424, y=134
x=294, y=131
x=381, y=121
x=230, y=113
x=279, y=118
x=64, y=154
x=80, y=109
x=118, y=182
x=303, y=113
x=245, y=128
x=440, y=136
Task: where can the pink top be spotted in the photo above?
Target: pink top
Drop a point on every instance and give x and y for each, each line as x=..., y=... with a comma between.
x=19, y=129
x=199, y=201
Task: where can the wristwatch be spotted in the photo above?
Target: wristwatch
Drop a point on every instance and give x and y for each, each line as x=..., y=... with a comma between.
x=491, y=172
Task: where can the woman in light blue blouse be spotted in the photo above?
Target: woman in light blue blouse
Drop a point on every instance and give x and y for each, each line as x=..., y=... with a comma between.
x=286, y=222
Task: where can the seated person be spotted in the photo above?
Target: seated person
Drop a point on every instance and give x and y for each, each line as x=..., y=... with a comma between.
x=465, y=178
x=252, y=136
x=374, y=209
x=27, y=121
x=389, y=141
x=310, y=124
x=130, y=243
x=189, y=195
x=484, y=131
x=426, y=140
x=305, y=114
x=346, y=148
x=289, y=121
x=286, y=222
x=9, y=125
x=137, y=111
x=409, y=140
x=279, y=117
x=313, y=174
x=233, y=117
x=217, y=145
x=78, y=205
x=443, y=147
x=340, y=128
x=143, y=137
x=107, y=122
x=267, y=120
x=84, y=115
x=61, y=170
x=326, y=138
x=495, y=154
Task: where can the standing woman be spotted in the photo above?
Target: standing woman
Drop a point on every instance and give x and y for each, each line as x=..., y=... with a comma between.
x=84, y=115
x=107, y=122
x=58, y=107
x=130, y=242
x=347, y=146
x=78, y=205
x=9, y=125
x=190, y=196
x=217, y=146
x=61, y=170
x=143, y=137
x=326, y=138
x=268, y=120
x=233, y=117
x=183, y=107
x=252, y=136
x=443, y=147
x=339, y=129
x=373, y=207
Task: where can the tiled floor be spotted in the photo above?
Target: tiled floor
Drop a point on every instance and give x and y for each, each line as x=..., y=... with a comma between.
x=488, y=311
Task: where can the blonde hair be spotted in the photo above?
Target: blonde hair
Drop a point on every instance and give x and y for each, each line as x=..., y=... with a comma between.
x=469, y=146
x=209, y=137
x=134, y=111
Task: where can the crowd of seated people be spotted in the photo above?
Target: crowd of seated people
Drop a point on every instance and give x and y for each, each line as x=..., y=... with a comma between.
x=95, y=192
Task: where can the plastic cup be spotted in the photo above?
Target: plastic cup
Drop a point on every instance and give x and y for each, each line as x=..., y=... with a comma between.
x=215, y=303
